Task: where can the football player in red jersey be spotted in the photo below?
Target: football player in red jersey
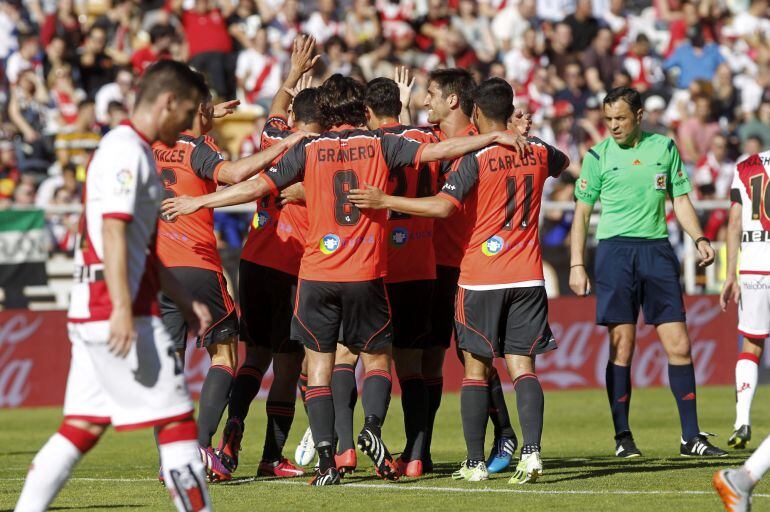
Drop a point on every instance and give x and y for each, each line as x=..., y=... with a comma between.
x=268, y=282
x=345, y=259
x=450, y=105
x=501, y=306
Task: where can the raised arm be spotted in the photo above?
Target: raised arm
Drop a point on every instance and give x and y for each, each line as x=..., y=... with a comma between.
x=302, y=61
x=401, y=77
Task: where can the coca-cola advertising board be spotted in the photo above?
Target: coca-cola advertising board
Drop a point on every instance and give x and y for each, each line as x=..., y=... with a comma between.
x=35, y=353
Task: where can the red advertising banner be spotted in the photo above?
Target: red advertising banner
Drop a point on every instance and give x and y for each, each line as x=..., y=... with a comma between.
x=35, y=353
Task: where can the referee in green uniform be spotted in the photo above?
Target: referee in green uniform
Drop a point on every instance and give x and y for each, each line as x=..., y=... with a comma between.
x=631, y=173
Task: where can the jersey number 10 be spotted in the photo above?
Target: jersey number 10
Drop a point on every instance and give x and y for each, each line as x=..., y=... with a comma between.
x=759, y=196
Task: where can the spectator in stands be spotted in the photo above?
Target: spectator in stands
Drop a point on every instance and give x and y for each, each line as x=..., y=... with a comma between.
x=591, y=128
x=753, y=22
x=63, y=23
x=726, y=101
x=575, y=91
x=258, y=73
x=559, y=50
x=715, y=168
x=601, y=65
x=24, y=58
x=286, y=25
x=759, y=125
x=323, y=22
x=242, y=24
x=475, y=30
x=27, y=110
x=9, y=173
x=362, y=25
x=253, y=141
x=510, y=24
x=752, y=145
x=161, y=38
x=117, y=113
x=583, y=24
x=24, y=194
x=63, y=227
x=697, y=132
x=694, y=58
x=119, y=91
x=64, y=97
x=97, y=67
x=554, y=10
x=75, y=144
x=644, y=66
x=654, y=107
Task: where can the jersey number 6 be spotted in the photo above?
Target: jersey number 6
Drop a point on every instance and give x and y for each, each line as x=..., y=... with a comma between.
x=345, y=212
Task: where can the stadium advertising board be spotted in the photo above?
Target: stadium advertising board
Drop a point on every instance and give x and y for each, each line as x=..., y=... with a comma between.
x=34, y=353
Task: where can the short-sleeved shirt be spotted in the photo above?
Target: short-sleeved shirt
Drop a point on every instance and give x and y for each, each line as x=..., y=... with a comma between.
x=411, y=256
x=449, y=238
x=344, y=244
x=277, y=235
x=632, y=184
x=750, y=189
x=502, y=191
x=190, y=168
x=121, y=183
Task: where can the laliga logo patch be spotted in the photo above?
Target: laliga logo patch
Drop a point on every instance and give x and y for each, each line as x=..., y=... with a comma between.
x=329, y=243
x=260, y=220
x=492, y=246
x=399, y=237
x=125, y=179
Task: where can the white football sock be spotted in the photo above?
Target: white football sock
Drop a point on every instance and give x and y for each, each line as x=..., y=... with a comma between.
x=48, y=472
x=759, y=462
x=746, y=371
x=185, y=476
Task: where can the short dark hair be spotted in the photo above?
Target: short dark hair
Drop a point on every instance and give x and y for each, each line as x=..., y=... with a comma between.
x=86, y=102
x=494, y=97
x=455, y=81
x=160, y=31
x=341, y=101
x=627, y=94
x=305, y=106
x=115, y=105
x=383, y=97
x=171, y=76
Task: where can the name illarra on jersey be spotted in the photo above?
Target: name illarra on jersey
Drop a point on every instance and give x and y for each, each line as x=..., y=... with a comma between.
x=751, y=188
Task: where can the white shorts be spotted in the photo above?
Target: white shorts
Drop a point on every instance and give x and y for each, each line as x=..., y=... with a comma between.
x=145, y=389
x=754, y=308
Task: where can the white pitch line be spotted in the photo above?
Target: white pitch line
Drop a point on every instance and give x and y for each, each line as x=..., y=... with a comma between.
x=418, y=488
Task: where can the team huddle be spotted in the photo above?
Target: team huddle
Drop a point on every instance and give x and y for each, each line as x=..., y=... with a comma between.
x=361, y=221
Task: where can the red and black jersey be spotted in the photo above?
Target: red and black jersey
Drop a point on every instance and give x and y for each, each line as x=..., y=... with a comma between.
x=344, y=244
x=502, y=191
x=449, y=237
x=277, y=235
x=189, y=168
x=411, y=256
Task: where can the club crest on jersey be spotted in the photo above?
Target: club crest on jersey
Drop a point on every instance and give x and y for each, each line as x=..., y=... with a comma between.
x=583, y=184
x=492, y=246
x=660, y=182
x=399, y=237
x=260, y=219
x=329, y=243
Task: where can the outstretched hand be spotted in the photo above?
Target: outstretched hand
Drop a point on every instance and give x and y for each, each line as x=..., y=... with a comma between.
x=173, y=207
x=225, y=108
x=401, y=77
x=302, y=59
x=369, y=197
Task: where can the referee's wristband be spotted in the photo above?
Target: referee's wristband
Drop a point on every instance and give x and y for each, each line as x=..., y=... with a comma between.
x=702, y=239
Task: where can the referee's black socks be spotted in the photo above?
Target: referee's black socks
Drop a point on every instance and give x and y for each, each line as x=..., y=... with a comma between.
x=681, y=378
x=530, y=403
x=618, y=379
x=474, y=409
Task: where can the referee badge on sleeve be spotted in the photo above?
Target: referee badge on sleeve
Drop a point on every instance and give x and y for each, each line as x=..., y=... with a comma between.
x=660, y=182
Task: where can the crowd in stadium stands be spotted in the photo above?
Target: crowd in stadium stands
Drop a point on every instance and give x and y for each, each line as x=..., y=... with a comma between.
x=703, y=67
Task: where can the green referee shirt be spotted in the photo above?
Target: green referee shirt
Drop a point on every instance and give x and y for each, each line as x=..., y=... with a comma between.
x=632, y=184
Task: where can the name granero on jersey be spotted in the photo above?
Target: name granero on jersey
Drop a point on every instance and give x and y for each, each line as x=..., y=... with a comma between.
x=169, y=156
x=346, y=154
x=512, y=160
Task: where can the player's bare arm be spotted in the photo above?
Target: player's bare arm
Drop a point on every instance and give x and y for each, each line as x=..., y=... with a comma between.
x=244, y=192
x=578, y=276
x=122, y=333
x=401, y=77
x=195, y=313
x=731, y=290
x=302, y=61
x=374, y=198
x=685, y=214
x=245, y=168
x=458, y=146
x=225, y=108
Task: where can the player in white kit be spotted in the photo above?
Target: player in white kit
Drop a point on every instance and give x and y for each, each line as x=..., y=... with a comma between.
x=749, y=230
x=124, y=370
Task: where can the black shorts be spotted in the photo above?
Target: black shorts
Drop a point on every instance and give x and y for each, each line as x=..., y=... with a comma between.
x=491, y=323
x=633, y=273
x=411, y=321
x=210, y=288
x=442, y=324
x=266, y=296
x=362, y=308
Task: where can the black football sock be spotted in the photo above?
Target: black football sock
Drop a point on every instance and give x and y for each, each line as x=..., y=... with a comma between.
x=345, y=395
x=681, y=378
x=414, y=401
x=214, y=397
x=376, y=394
x=320, y=413
x=474, y=409
x=498, y=411
x=435, y=388
x=618, y=380
x=280, y=415
x=302, y=384
x=530, y=404
x=245, y=388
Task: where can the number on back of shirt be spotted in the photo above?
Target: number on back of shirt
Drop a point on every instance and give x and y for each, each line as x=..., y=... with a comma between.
x=510, y=204
x=345, y=212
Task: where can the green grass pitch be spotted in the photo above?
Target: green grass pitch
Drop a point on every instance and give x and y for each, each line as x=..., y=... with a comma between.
x=580, y=471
